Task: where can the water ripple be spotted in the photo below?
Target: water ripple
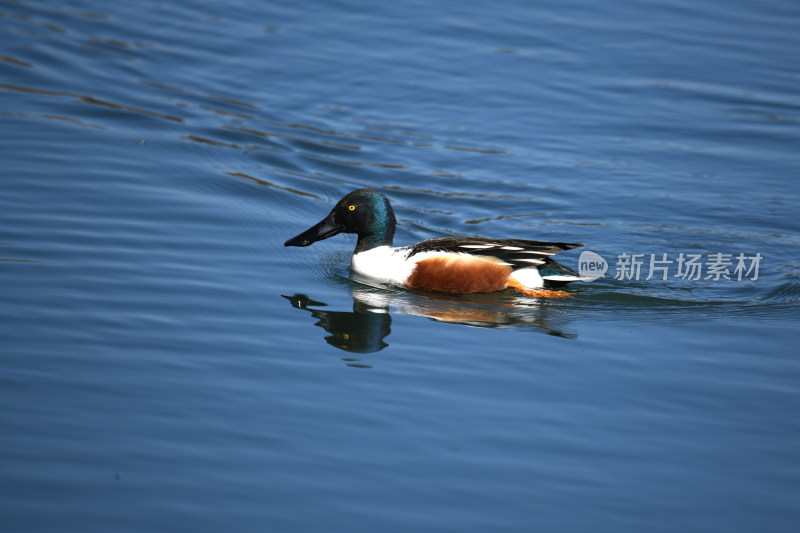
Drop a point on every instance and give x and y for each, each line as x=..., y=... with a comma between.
x=90, y=100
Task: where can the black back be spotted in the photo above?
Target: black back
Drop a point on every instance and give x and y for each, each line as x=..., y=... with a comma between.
x=521, y=254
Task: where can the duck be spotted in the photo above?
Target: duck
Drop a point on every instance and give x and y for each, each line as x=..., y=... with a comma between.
x=453, y=265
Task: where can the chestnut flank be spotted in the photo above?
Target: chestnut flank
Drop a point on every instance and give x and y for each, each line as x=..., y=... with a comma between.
x=459, y=274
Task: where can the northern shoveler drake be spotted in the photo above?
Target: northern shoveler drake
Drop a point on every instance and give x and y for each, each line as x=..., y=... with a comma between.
x=457, y=265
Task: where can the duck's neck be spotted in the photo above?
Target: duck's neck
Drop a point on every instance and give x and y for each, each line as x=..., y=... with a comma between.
x=373, y=240
x=380, y=232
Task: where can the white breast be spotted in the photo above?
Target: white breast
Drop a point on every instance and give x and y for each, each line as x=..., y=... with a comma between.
x=387, y=264
x=383, y=263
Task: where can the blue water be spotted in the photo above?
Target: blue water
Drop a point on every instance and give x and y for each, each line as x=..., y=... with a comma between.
x=168, y=365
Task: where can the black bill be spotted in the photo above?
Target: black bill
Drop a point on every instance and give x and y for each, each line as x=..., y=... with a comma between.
x=322, y=230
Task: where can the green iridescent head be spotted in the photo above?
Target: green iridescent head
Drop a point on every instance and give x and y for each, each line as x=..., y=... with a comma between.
x=365, y=212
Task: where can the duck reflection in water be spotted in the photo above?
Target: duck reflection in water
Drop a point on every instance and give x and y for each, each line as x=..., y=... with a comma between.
x=359, y=331
x=365, y=329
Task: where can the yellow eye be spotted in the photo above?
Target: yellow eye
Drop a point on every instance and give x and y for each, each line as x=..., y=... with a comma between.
x=351, y=207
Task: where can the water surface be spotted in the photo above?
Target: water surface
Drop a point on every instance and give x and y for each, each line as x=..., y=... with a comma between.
x=168, y=364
